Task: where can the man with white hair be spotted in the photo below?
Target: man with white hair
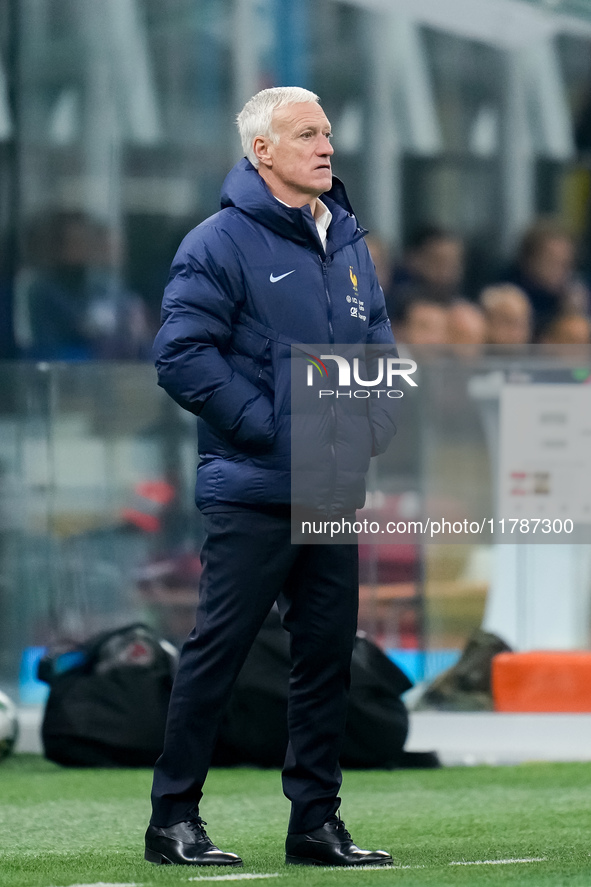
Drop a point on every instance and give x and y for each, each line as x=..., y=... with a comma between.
x=276, y=266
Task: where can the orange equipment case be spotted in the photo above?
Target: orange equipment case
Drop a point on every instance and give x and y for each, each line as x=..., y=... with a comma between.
x=542, y=681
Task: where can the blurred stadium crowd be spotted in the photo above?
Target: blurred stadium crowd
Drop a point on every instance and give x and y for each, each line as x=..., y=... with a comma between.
x=539, y=298
x=71, y=303
x=117, y=130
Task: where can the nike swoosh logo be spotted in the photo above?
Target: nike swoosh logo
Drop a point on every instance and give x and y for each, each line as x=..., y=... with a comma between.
x=281, y=276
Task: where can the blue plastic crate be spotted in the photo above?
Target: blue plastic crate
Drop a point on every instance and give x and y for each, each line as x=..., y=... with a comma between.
x=31, y=691
x=423, y=665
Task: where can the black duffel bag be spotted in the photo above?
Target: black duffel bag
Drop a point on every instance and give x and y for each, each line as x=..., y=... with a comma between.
x=108, y=699
x=254, y=726
x=109, y=696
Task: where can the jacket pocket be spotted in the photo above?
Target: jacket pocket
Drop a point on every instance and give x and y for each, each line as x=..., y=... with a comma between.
x=250, y=355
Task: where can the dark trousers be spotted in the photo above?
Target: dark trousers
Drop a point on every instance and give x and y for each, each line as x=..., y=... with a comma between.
x=248, y=564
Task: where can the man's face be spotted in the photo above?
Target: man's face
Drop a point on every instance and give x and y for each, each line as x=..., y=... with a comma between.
x=570, y=330
x=426, y=325
x=465, y=325
x=297, y=168
x=553, y=263
x=509, y=324
x=440, y=262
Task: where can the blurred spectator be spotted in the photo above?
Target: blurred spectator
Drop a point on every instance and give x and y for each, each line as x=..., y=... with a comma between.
x=545, y=270
x=508, y=315
x=380, y=255
x=569, y=328
x=423, y=322
x=71, y=303
x=432, y=269
x=466, y=324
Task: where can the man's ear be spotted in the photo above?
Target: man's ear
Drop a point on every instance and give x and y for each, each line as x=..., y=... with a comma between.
x=260, y=148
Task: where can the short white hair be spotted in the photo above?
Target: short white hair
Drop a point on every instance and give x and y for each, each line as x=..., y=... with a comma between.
x=256, y=117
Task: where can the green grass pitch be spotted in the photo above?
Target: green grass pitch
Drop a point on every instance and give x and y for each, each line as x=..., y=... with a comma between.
x=63, y=827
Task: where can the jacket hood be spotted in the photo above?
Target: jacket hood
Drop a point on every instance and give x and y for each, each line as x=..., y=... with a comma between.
x=244, y=189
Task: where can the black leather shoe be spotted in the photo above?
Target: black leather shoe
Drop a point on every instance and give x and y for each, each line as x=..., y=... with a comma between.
x=185, y=843
x=330, y=845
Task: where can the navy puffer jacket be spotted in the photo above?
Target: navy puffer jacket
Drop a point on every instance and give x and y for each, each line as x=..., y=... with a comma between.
x=244, y=286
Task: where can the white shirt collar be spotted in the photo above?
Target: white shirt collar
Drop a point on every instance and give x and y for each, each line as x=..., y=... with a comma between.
x=322, y=217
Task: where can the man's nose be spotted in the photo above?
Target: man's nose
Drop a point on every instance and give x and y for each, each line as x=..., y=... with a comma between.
x=325, y=147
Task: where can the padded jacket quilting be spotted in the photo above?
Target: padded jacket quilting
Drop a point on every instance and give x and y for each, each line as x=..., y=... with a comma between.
x=244, y=286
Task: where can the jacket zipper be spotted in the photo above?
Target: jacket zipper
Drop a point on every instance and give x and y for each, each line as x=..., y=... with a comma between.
x=324, y=265
x=262, y=366
x=333, y=412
